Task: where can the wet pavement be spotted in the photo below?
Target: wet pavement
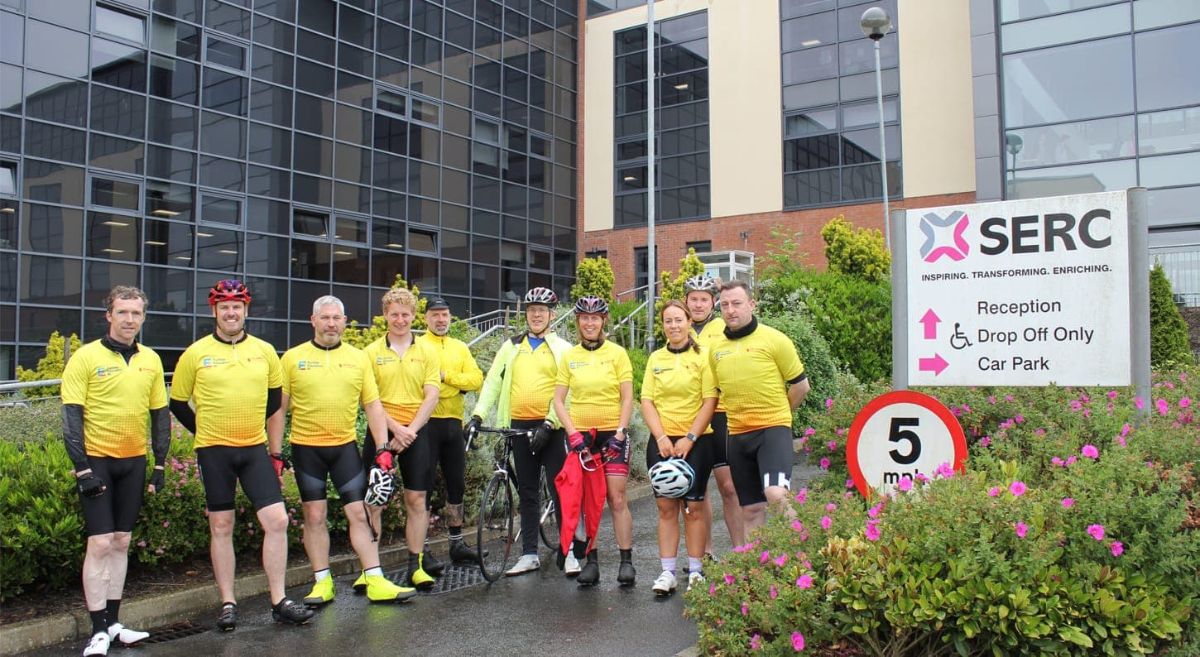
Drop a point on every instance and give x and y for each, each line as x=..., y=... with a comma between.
x=542, y=613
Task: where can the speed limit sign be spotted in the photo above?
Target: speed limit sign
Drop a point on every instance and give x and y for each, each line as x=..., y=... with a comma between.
x=900, y=435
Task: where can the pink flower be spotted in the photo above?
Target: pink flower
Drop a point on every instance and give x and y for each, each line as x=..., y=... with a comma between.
x=1112, y=394
x=781, y=560
x=1071, y=460
x=797, y=526
x=166, y=523
x=1120, y=440
x=774, y=593
x=874, y=511
x=712, y=588
x=141, y=544
x=1125, y=429
x=905, y=484
x=1162, y=406
x=831, y=507
x=1057, y=462
x=1117, y=548
x=832, y=445
x=804, y=582
x=1075, y=405
x=756, y=641
x=1020, y=418
x=1068, y=502
x=802, y=496
x=1139, y=403
x=1017, y=488
x=764, y=557
x=828, y=403
x=921, y=477
x=746, y=611
x=849, y=483
x=826, y=522
x=1090, y=451
x=1096, y=532
x=809, y=432
x=825, y=464
x=944, y=471
x=985, y=441
x=1185, y=402
x=993, y=491
x=797, y=641
x=1008, y=398
x=728, y=579
x=1021, y=529
x=872, y=531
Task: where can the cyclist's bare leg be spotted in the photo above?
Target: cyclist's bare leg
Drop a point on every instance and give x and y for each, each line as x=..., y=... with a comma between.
x=316, y=534
x=360, y=535
x=619, y=505
x=416, y=525
x=668, y=527
x=696, y=532
x=220, y=550
x=730, y=507
x=274, y=521
x=96, y=571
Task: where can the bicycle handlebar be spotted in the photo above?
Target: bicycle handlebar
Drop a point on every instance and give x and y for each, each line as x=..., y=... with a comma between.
x=505, y=433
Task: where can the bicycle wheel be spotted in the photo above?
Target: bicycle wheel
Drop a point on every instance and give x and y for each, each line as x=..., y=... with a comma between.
x=548, y=527
x=494, y=536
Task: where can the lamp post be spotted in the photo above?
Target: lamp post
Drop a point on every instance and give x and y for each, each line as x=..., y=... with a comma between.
x=650, y=176
x=875, y=24
x=1012, y=144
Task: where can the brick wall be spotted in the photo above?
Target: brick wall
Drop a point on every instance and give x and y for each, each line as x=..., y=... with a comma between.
x=726, y=233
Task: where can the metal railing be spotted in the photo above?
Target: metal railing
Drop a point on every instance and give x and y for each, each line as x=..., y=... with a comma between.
x=630, y=326
x=485, y=321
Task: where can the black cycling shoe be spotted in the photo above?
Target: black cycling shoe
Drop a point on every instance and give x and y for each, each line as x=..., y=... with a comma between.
x=227, y=621
x=590, y=575
x=626, y=575
x=431, y=565
x=460, y=552
x=291, y=612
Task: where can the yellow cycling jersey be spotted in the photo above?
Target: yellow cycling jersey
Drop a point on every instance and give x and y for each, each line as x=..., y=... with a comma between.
x=752, y=373
x=458, y=372
x=593, y=379
x=713, y=329
x=325, y=388
x=402, y=380
x=534, y=373
x=228, y=383
x=678, y=384
x=116, y=397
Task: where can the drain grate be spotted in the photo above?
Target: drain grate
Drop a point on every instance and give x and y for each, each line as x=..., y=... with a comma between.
x=454, y=577
x=175, y=631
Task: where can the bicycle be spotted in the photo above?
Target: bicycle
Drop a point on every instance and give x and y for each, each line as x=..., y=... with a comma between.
x=494, y=534
x=547, y=521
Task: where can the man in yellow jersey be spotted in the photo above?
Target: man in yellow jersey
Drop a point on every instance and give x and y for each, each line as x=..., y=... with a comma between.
x=113, y=395
x=407, y=375
x=701, y=301
x=324, y=383
x=762, y=381
x=235, y=381
x=458, y=374
x=519, y=386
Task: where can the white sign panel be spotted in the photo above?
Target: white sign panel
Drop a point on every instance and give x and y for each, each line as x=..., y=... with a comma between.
x=1025, y=293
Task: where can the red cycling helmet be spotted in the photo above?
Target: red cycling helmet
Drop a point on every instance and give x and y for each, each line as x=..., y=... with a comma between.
x=229, y=289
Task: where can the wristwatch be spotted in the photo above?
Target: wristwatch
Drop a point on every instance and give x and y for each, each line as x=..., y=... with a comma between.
x=691, y=437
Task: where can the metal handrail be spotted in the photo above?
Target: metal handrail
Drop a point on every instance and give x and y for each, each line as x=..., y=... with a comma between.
x=475, y=340
x=632, y=321
x=631, y=290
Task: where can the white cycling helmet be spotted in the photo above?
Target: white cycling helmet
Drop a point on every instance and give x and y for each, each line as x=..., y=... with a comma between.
x=380, y=487
x=541, y=295
x=672, y=478
x=702, y=283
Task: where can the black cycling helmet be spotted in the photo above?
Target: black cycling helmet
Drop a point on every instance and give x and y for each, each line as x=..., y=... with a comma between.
x=542, y=296
x=591, y=306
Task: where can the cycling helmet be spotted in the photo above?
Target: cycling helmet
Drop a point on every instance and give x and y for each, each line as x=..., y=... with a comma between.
x=541, y=295
x=672, y=478
x=380, y=487
x=591, y=306
x=229, y=289
x=702, y=283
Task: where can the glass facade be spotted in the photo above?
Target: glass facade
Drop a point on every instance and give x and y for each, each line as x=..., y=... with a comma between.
x=308, y=146
x=831, y=146
x=681, y=122
x=1066, y=131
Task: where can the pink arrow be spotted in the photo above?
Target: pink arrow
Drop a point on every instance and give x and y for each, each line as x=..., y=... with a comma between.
x=930, y=320
x=935, y=364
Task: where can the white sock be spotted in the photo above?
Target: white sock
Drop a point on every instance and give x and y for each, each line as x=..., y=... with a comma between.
x=321, y=575
x=694, y=565
x=668, y=564
x=374, y=572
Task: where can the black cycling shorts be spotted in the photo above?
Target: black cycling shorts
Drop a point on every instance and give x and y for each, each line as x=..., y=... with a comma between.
x=415, y=472
x=447, y=448
x=760, y=459
x=341, y=464
x=117, y=509
x=700, y=458
x=222, y=467
x=718, y=446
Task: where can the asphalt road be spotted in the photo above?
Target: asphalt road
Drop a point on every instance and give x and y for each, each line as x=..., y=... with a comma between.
x=541, y=613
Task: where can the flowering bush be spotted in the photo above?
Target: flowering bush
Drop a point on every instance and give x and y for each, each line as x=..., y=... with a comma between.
x=1072, y=532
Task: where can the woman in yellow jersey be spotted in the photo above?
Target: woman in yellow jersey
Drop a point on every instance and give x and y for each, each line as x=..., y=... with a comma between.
x=599, y=378
x=679, y=394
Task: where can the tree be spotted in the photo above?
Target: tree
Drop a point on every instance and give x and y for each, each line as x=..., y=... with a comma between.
x=1169, y=344
x=594, y=278
x=361, y=336
x=50, y=366
x=856, y=251
x=783, y=254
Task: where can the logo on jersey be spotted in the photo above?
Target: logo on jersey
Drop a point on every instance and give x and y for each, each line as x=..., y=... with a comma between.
x=575, y=364
x=718, y=355
x=309, y=364
x=213, y=361
x=660, y=370
x=384, y=360
x=102, y=372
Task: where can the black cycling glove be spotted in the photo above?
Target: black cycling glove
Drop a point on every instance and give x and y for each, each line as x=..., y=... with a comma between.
x=90, y=485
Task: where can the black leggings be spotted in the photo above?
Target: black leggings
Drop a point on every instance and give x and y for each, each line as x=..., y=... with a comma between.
x=117, y=509
x=340, y=463
x=447, y=448
x=529, y=492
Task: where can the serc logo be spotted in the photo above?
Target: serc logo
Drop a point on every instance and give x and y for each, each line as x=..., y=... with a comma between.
x=953, y=246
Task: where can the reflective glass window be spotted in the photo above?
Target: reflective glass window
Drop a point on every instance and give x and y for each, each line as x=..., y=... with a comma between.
x=1064, y=28
x=169, y=290
x=220, y=209
x=12, y=46
x=113, y=236
x=319, y=15
x=315, y=46
x=52, y=182
x=222, y=135
x=273, y=33
x=227, y=18
x=272, y=66
x=56, y=49
x=1149, y=14
x=1164, y=79
x=225, y=53
x=1170, y=170
x=118, y=64
x=118, y=112
x=120, y=24
x=218, y=249
x=270, y=145
x=268, y=216
x=310, y=260
x=174, y=79
x=172, y=124
x=1074, y=179
x=119, y=194
x=1172, y=130
x=52, y=98
x=117, y=154
x=355, y=27
x=267, y=181
x=169, y=201
x=314, y=115
x=51, y=280
x=1073, y=142
x=267, y=255
x=100, y=278
x=1054, y=84
x=51, y=229
x=221, y=173
x=271, y=104
x=224, y=92
x=170, y=164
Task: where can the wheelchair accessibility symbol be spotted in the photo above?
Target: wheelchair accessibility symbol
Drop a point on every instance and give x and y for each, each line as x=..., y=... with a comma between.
x=959, y=339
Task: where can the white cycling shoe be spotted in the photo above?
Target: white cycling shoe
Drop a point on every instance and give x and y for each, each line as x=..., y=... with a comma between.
x=118, y=633
x=665, y=584
x=98, y=645
x=695, y=579
x=528, y=563
x=572, y=566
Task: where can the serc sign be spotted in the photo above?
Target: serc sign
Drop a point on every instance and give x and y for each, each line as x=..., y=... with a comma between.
x=1028, y=292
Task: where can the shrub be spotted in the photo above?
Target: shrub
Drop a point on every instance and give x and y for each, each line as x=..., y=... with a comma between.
x=858, y=252
x=39, y=421
x=593, y=277
x=1169, y=344
x=783, y=254
x=49, y=366
x=819, y=363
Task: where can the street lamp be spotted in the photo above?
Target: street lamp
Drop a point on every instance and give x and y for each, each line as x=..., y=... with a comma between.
x=876, y=23
x=1013, y=144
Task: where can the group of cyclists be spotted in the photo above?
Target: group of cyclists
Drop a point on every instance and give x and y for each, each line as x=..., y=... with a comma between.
x=717, y=398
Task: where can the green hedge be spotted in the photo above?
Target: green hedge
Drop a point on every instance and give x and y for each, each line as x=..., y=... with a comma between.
x=1007, y=559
